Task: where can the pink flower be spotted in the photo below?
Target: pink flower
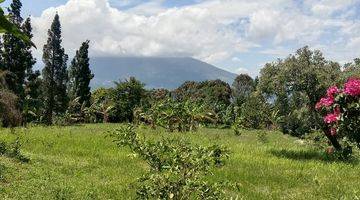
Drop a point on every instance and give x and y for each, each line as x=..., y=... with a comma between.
x=332, y=91
x=352, y=87
x=332, y=117
x=318, y=105
x=326, y=101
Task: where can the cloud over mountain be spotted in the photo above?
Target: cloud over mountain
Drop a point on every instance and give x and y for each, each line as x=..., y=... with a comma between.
x=213, y=30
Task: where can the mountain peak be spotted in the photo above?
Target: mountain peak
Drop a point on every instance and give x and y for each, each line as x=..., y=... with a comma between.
x=155, y=72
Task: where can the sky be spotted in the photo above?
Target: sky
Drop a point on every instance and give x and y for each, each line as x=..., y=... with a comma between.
x=236, y=35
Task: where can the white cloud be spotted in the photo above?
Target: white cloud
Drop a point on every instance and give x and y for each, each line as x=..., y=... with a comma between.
x=236, y=59
x=242, y=70
x=189, y=31
x=213, y=30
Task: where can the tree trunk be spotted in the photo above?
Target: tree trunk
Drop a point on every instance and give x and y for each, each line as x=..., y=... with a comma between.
x=333, y=140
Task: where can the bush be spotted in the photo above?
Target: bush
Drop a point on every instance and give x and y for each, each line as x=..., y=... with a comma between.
x=12, y=150
x=341, y=111
x=173, y=115
x=10, y=116
x=296, y=123
x=177, y=167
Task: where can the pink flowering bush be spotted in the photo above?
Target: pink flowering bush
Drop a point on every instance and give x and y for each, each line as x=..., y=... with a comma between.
x=352, y=87
x=341, y=113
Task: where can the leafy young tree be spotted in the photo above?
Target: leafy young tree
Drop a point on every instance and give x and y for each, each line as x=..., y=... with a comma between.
x=54, y=73
x=243, y=86
x=126, y=96
x=176, y=167
x=80, y=76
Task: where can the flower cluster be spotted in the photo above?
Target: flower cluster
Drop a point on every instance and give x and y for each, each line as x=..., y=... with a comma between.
x=352, y=87
x=335, y=109
x=328, y=101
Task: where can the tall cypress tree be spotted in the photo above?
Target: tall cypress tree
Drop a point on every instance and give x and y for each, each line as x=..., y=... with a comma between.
x=80, y=75
x=32, y=85
x=54, y=73
x=13, y=53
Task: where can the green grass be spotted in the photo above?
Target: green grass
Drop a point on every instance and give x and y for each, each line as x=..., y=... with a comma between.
x=81, y=162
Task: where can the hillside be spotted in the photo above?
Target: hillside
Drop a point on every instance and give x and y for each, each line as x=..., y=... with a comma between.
x=155, y=72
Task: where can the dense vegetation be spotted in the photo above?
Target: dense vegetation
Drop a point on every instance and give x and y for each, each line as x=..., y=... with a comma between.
x=302, y=95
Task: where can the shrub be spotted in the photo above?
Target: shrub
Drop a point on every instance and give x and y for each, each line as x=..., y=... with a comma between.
x=173, y=115
x=12, y=150
x=296, y=123
x=10, y=116
x=341, y=111
x=177, y=167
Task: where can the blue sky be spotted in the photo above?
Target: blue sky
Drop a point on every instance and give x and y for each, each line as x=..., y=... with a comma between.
x=236, y=35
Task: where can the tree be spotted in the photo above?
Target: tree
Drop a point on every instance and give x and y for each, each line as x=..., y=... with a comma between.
x=54, y=73
x=295, y=83
x=254, y=112
x=341, y=111
x=243, y=86
x=7, y=26
x=9, y=115
x=126, y=96
x=14, y=58
x=32, y=83
x=351, y=70
x=80, y=76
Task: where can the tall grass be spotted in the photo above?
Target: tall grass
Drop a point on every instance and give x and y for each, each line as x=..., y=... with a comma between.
x=81, y=162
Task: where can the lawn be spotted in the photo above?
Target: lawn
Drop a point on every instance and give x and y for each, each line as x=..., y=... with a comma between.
x=82, y=162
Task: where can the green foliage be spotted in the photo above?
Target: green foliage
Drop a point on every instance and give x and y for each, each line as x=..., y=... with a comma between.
x=54, y=73
x=254, y=113
x=12, y=150
x=126, y=96
x=7, y=26
x=350, y=70
x=296, y=123
x=176, y=167
x=215, y=94
x=243, y=86
x=16, y=54
x=101, y=104
x=80, y=76
x=33, y=104
x=174, y=115
x=341, y=111
x=297, y=83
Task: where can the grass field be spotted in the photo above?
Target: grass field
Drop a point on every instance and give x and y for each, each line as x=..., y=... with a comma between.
x=82, y=162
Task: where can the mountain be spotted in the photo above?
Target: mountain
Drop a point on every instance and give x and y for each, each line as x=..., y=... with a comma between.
x=155, y=72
